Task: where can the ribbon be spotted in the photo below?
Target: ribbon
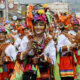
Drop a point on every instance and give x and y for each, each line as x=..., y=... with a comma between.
x=30, y=67
x=48, y=16
x=1, y=69
x=40, y=17
x=5, y=68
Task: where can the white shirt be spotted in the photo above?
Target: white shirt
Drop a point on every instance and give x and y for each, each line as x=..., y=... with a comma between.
x=62, y=41
x=23, y=46
x=17, y=42
x=11, y=52
x=15, y=36
x=50, y=51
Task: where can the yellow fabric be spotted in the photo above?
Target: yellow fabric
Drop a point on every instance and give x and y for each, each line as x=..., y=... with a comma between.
x=38, y=72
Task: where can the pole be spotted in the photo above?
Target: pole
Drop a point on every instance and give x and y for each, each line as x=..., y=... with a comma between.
x=6, y=9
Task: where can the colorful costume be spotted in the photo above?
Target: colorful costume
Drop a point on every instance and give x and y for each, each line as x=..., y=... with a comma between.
x=31, y=49
x=67, y=60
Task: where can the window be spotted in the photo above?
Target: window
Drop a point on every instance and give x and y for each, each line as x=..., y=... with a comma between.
x=1, y=14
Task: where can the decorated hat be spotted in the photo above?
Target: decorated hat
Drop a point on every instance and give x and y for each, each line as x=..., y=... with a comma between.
x=76, y=22
x=40, y=14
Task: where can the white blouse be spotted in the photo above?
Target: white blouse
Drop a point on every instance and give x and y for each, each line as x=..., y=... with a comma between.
x=11, y=52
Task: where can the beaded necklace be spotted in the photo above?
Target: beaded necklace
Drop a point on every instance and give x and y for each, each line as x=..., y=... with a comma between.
x=38, y=46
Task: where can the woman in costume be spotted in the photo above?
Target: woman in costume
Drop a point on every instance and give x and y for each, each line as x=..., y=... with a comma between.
x=41, y=49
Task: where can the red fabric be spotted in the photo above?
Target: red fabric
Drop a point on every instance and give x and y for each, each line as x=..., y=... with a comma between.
x=5, y=75
x=66, y=63
x=10, y=66
x=78, y=59
x=0, y=76
x=27, y=67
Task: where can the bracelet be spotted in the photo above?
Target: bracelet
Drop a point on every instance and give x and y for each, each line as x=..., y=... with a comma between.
x=68, y=48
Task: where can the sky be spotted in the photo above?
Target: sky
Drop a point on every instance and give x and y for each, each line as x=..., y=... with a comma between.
x=75, y=4
x=48, y=1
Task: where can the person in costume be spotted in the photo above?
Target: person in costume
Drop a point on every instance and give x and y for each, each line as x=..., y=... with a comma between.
x=20, y=28
x=75, y=25
x=41, y=49
x=77, y=53
x=65, y=47
x=66, y=19
x=8, y=55
x=14, y=32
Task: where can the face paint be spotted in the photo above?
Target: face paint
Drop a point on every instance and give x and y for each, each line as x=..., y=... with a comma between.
x=39, y=28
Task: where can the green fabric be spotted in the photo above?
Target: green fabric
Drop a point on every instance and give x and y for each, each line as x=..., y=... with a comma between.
x=56, y=68
x=58, y=59
x=7, y=30
x=79, y=52
x=78, y=71
x=1, y=69
x=75, y=60
x=33, y=68
x=79, y=22
x=19, y=77
x=48, y=16
x=66, y=26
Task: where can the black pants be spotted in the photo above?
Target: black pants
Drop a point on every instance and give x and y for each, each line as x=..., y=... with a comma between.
x=67, y=78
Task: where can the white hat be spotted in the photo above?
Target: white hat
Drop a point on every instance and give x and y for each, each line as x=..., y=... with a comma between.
x=72, y=32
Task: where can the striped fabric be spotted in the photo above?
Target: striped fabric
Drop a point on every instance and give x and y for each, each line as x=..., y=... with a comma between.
x=66, y=73
x=45, y=75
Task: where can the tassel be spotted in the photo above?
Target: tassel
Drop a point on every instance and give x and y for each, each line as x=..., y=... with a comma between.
x=76, y=52
x=79, y=22
x=33, y=68
x=22, y=67
x=79, y=52
x=5, y=68
x=30, y=67
x=38, y=72
x=48, y=17
x=49, y=73
x=1, y=69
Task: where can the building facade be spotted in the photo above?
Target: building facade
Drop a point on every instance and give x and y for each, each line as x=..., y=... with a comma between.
x=59, y=7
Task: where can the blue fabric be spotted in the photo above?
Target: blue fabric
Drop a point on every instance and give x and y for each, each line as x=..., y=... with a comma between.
x=5, y=68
